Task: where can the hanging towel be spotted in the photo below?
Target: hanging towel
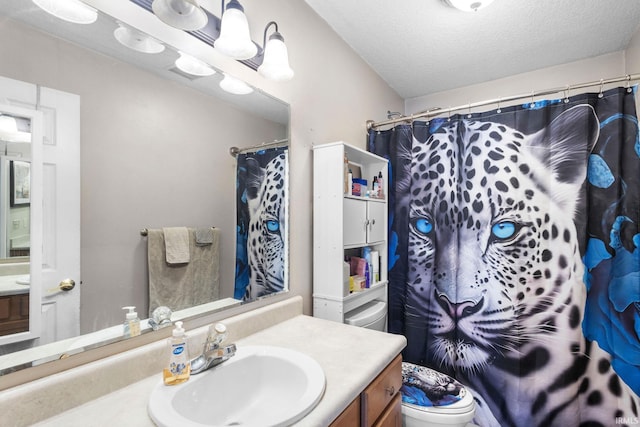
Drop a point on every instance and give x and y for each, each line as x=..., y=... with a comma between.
x=204, y=236
x=176, y=244
x=180, y=286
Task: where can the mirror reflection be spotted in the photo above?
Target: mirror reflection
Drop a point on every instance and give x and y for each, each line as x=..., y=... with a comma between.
x=15, y=174
x=132, y=143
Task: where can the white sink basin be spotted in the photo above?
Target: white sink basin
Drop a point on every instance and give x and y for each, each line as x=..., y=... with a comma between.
x=260, y=386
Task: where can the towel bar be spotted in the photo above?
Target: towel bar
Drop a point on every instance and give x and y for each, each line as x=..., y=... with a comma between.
x=145, y=231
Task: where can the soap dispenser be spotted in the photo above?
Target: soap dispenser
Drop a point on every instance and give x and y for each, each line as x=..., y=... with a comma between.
x=178, y=368
x=131, y=323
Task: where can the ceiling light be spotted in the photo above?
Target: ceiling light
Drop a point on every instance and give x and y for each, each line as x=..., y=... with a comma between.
x=275, y=61
x=235, y=40
x=181, y=14
x=137, y=40
x=69, y=10
x=469, y=5
x=235, y=86
x=193, y=66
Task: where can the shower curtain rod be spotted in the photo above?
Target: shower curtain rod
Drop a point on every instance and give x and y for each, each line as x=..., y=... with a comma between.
x=433, y=112
x=234, y=151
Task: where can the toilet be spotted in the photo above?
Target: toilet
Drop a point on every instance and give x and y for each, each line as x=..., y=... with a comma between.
x=449, y=404
x=431, y=398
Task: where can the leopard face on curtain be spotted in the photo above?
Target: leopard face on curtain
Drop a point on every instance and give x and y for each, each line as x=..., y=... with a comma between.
x=514, y=256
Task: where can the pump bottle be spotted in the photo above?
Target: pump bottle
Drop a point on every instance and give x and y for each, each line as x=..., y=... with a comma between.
x=131, y=323
x=178, y=369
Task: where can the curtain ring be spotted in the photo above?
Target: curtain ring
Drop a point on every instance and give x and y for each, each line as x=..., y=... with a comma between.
x=449, y=113
x=566, y=94
x=469, y=115
x=533, y=104
x=499, y=110
x=600, y=95
x=629, y=90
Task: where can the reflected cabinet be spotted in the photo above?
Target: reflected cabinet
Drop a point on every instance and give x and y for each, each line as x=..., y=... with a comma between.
x=348, y=225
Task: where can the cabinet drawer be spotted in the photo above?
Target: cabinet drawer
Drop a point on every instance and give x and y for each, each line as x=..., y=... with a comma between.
x=381, y=392
x=350, y=417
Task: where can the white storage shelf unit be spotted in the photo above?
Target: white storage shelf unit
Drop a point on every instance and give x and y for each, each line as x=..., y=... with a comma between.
x=343, y=224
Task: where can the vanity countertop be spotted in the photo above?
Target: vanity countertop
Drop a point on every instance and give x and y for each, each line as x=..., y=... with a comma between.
x=14, y=284
x=351, y=358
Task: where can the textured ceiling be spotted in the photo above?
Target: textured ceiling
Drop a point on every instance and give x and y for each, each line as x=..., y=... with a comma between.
x=421, y=47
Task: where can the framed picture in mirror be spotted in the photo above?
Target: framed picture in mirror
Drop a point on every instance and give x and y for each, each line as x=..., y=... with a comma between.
x=20, y=182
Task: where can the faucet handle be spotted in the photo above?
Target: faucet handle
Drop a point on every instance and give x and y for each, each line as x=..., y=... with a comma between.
x=216, y=334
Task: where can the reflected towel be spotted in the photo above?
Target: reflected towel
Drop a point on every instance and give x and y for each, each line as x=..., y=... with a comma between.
x=177, y=244
x=180, y=286
x=204, y=236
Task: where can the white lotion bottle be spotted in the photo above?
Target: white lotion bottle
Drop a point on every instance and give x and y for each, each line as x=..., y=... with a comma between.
x=131, y=323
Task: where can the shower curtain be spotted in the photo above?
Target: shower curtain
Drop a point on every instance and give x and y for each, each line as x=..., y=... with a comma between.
x=514, y=256
x=261, y=223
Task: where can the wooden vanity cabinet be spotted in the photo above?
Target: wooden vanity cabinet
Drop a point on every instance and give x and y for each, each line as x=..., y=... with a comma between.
x=14, y=314
x=379, y=404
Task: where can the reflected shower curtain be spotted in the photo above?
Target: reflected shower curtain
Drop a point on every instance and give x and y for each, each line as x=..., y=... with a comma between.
x=261, y=223
x=514, y=256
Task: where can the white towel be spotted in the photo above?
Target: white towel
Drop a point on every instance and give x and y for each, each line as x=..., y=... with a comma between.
x=176, y=240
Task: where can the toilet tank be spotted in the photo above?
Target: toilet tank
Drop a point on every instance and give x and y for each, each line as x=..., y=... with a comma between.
x=372, y=315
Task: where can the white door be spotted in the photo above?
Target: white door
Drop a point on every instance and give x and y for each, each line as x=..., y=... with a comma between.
x=61, y=203
x=61, y=212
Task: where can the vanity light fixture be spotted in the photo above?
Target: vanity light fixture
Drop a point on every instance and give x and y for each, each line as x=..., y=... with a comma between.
x=468, y=5
x=235, y=86
x=275, y=60
x=136, y=40
x=230, y=36
x=73, y=11
x=193, y=66
x=234, y=40
x=182, y=14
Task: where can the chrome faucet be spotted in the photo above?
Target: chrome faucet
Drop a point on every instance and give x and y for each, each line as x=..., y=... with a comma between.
x=213, y=353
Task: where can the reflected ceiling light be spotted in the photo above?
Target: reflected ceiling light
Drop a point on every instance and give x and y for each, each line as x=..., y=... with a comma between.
x=69, y=10
x=181, y=14
x=235, y=86
x=8, y=124
x=136, y=40
x=235, y=40
x=193, y=66
x=275, y=61
x=468, y=5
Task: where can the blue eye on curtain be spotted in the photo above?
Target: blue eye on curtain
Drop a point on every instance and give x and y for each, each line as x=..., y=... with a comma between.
x=504, y=230
x=272, y=226
x=423, y=225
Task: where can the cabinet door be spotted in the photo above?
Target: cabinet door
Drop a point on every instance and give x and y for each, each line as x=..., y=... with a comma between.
x=392, y=415
x=375, y=215
x=354, y=222
x=350, y=417
x=381, y=392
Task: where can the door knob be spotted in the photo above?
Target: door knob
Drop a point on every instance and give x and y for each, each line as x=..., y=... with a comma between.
x=66, y=285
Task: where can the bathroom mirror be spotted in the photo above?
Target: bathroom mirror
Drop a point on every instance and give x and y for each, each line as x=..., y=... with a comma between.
x=154, y=152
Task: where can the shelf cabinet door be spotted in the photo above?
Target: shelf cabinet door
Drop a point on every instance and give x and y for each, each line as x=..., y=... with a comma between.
x=354, y=222
x=375, y=221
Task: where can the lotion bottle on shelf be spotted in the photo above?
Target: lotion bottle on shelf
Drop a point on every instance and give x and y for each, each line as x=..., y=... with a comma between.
x=131, y=326
x=178, y=369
